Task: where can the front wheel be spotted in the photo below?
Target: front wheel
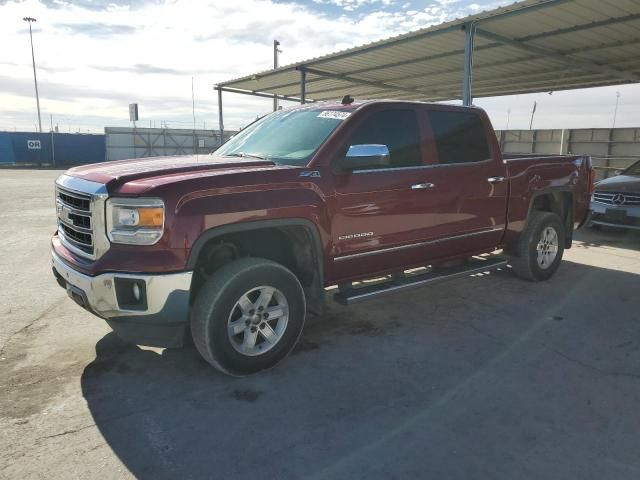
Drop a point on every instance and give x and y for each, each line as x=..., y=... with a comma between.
x=540, y=247
x=248, y=316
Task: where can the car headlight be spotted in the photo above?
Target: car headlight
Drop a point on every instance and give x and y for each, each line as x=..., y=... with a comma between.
x=136, y=221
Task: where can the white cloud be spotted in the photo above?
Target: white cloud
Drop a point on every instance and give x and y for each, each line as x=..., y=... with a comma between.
x=94, y=57
x=352, y=5
x=102, y=59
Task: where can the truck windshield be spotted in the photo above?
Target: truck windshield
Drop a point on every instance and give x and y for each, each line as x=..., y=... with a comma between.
x=288, y=137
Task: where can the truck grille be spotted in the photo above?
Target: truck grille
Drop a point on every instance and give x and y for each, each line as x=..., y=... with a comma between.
x=75, y=225
x=617, y=199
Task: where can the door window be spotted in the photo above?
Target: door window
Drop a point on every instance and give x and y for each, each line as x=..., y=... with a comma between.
x=460, y=136
x=398, y=130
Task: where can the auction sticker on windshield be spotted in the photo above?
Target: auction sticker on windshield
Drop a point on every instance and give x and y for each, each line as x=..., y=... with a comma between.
x=334, y=114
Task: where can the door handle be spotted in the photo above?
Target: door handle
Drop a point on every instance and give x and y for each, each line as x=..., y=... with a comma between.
x=422, y=186
x=496, y=179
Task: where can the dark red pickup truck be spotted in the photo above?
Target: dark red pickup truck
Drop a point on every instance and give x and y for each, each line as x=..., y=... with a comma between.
x=240, y=245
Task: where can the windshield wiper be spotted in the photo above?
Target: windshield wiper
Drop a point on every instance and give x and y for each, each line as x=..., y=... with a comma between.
x=246, y=155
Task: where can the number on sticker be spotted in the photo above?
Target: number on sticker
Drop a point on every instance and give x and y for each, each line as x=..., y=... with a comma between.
x=334, y=114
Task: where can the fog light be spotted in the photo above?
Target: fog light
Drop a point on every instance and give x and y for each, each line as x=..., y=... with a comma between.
x=136, y=291
x=131, y=293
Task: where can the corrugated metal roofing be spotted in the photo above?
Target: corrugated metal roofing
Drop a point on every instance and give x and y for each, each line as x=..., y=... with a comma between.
x=529, y=46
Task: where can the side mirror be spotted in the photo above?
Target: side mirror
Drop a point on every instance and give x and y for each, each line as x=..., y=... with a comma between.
x=366, y=156
x=618, y=172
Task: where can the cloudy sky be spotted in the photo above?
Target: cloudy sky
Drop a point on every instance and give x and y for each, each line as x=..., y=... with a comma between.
x=94, y=57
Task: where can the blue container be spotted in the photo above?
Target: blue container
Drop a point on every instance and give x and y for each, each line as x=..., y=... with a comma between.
x=46, y=149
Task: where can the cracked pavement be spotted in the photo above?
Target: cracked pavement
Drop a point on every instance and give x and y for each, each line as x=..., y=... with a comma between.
x=485, y=377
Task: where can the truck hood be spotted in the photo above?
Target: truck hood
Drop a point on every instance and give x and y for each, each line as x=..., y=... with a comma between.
x=114, y=174
x=621, y=183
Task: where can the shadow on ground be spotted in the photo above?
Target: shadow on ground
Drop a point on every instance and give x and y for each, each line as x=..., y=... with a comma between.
x=609, y=237
x=487, y=377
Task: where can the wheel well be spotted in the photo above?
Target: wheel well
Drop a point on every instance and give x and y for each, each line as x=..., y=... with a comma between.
x=290, y=245
x=560, y=203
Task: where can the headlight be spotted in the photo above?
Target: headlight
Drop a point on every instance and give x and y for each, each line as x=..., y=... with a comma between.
x=137, y=221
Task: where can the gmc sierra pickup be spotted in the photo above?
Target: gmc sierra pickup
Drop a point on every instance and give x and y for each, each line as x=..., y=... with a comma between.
x=234, y=249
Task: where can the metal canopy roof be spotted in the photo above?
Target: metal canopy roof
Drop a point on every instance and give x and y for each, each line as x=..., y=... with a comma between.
x=530, y=46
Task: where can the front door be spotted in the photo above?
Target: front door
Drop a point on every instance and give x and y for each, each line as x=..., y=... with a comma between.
x=378, y=212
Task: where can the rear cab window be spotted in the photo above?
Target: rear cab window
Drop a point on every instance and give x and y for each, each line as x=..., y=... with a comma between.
x=460, y=137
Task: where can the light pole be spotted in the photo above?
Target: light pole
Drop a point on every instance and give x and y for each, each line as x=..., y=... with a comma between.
x=30, y=20
x=615, y=111
x=533, y=112
x=276, y=51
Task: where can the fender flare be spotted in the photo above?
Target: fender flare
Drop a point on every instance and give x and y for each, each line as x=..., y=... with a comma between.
x=552, y=191
x=212, y=233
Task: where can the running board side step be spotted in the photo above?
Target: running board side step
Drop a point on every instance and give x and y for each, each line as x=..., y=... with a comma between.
x=351, y=295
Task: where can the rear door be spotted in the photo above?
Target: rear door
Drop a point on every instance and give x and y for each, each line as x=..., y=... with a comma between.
x=469, y=196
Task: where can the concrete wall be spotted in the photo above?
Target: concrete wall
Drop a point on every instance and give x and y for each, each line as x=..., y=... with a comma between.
x=123, y=142
x=610, y=149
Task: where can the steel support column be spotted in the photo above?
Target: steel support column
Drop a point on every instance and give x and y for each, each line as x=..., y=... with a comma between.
x=220, y=119
x=303, y=84
x=467, y=95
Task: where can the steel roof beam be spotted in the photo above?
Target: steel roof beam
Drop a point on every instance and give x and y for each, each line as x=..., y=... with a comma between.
x=481, y=81
x=538, y=36
x=489, y=66
x=563, y=58
x=363, y=81
x=260, y=94
x=384, y=89
x=371, y=93
x=514, y=60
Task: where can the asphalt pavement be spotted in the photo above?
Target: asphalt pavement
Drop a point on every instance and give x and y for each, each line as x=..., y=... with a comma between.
x=487, y=377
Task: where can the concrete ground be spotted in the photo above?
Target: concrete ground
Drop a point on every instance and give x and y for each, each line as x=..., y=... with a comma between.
x=486, y=377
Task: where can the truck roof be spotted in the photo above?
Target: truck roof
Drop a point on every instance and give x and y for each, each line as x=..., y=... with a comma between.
x=333, y=104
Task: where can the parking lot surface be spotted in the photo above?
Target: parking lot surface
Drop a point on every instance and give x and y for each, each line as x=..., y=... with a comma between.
x=485, y=377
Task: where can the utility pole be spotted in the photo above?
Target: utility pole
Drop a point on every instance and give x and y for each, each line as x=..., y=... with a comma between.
x=276, y=51
x=30, y=20
x=508, y=118
x=615, y=112
x=533, y=112
x=53, y=147
x=193, y=112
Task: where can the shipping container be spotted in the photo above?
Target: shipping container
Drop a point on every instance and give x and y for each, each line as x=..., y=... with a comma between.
x=50, y=149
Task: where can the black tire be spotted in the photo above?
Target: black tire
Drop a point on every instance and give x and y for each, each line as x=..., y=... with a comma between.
x=218, y=300
x=525, y=259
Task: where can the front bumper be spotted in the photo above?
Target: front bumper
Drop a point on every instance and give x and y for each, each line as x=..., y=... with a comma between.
x=159, y=319
x=624, y=216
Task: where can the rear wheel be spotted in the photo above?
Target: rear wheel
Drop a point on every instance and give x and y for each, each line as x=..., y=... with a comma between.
x=248, y=316
x=540, y=247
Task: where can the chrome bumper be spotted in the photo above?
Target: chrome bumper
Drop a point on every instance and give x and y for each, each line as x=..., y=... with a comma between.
x=166, y=296
x=629, y=218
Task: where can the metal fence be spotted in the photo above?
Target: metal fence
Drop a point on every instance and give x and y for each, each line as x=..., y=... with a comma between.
x=611, y=149
x=124, y=143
